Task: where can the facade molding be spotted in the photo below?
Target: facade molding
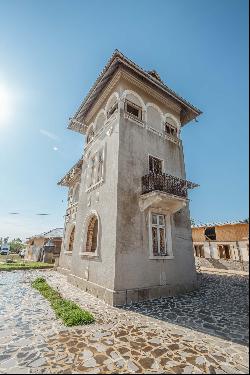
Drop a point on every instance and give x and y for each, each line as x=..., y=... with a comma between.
x=131, y=92
x=92, y=213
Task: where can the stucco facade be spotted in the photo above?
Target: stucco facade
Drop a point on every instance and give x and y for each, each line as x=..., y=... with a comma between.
x=127, y=234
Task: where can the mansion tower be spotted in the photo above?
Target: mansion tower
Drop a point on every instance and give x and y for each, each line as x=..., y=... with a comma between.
x=127, y=234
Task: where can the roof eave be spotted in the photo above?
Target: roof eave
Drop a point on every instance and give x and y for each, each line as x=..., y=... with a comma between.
x=76, y=123
x=65, y=179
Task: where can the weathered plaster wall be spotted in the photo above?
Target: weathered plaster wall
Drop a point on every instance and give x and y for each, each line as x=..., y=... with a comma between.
x=134, y=269
x=102, y=200
x=123, y=259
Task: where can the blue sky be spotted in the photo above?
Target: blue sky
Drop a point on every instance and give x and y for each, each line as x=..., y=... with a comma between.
x=52, y=51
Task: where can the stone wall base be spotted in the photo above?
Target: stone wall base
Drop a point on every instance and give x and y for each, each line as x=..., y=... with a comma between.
x=64, y=271
x=123, y=297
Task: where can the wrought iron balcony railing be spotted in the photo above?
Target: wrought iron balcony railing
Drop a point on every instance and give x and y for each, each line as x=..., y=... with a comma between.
x=166, y=183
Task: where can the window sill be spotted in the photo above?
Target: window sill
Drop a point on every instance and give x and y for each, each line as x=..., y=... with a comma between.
x=154, y=131
x=134, y=119
x=87, y=254
x=172, y=139
x=95, y=186
x=152, y=257
x=68, y=252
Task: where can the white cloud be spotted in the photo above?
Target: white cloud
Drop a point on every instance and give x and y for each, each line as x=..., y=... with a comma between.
x=50, y=135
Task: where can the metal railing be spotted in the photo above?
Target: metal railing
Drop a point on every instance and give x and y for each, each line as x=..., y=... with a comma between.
x=166, y=183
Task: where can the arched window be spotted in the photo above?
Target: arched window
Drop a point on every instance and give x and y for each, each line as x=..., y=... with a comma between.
x=134, y=105
x=112, y=105
x=171, y=127
x=100, y=120
x=71, y=239
x=92, y=235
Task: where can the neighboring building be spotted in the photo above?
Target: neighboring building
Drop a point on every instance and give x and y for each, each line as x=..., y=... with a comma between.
x=45, y=247
x=222, y=241
x=127, y=233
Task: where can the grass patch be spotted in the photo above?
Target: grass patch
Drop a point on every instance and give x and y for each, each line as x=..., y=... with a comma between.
x=70, y=313
x=24, y=265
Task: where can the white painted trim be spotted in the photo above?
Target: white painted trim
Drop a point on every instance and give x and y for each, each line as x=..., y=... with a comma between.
x=176, y=121
x=101, y=112
x=131, y=92
x=89, y=168
x=154, y=131
x=168, y=234
x=134, y=119
x=86, y=222
x=87, y=254
x=114, y=94
x=95, y=186
x=105, y=128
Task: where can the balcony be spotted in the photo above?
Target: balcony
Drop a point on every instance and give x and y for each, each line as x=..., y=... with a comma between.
x=71, y=212
x=164, y=191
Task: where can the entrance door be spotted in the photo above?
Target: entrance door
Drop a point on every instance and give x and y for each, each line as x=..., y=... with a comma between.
x=155, y=165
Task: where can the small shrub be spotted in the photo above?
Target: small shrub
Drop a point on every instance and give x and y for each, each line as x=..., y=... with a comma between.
x=70, y=313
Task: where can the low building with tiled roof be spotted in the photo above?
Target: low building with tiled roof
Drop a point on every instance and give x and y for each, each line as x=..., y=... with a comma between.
x=45, y=247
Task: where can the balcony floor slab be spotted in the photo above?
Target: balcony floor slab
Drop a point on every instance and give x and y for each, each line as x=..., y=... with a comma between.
x=159, y=199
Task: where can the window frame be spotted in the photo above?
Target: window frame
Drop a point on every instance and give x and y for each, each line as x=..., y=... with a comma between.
x=172, y=127
x=168, y=234
x=91, y=254
x=137, y=107
x=156, y=157
x=93, y=178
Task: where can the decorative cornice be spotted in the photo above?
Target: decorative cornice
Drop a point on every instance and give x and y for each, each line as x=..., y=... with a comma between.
x=145, y=87
x=103, y=96
x=117, y=60
x=72, y=175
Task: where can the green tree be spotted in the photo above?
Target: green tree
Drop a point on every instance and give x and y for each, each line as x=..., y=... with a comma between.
x=16, y=245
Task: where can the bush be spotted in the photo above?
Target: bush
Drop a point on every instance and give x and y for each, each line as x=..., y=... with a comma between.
x=70, y=313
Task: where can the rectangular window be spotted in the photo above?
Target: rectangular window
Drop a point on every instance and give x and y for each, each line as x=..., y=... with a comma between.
x=155, y=165
x=158, y=232
x=171, y=130
x=96, y=168
x=133, y=110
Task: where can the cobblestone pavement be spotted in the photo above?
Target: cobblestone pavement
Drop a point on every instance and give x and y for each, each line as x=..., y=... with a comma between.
x=202, y=332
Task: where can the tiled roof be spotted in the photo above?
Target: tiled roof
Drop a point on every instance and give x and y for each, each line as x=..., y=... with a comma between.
x=216, y=224
x=113, y=63
x=53, y=233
